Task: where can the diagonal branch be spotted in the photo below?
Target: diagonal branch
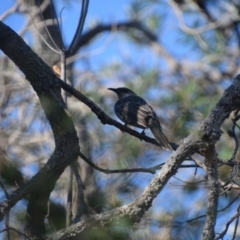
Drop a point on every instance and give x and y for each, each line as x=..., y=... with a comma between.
x=202, y=140
x=47, y=87
x=124, y=26
x=223, y=233
x=135, y=210
x=104, y=118
x=45, y=84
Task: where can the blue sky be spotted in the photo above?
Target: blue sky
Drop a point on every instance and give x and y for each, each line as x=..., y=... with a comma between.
x=108, y=12
x=105, y=12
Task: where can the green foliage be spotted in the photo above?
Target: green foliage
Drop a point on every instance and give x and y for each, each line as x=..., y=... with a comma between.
x=181, y=74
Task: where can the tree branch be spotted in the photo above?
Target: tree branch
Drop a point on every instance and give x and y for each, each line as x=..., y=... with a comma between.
x=104, y=118
x=202, y=140
x=47, y=87
x=45, y=84
x=124, y=26
x=236, y=216
x=134, y=211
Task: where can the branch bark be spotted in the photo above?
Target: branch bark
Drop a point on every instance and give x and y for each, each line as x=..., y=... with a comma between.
x=104, y=118
x=134, y=212
x=201, y=140
x=46, y=86
x=124, y=26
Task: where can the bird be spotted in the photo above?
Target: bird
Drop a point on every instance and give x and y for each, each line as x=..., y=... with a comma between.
x=135, y=111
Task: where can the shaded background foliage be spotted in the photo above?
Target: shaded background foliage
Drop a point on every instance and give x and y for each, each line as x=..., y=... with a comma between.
x=180, y=56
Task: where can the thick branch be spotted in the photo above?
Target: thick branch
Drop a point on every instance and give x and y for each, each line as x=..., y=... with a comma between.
x=228, y=103
x=45, y=84
x=134, y=211
x=202, y=139
x=47, y=88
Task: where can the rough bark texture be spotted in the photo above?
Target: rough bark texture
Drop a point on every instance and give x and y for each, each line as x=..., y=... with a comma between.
x=201, y=140
x=44, y=82
x=47, y=87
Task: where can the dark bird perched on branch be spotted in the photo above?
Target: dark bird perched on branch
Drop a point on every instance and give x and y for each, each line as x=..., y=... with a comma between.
x=134, y=110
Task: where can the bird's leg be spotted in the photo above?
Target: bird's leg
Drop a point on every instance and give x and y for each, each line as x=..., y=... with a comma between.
x=142, y=133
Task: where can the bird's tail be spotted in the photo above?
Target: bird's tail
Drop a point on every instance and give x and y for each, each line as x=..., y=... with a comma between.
x=156, y=130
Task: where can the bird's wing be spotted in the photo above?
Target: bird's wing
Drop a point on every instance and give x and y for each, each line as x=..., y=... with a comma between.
x=134, y=111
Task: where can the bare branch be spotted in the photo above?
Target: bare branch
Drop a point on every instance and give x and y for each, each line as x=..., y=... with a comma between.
x=236, y=224
x=123, y=26
x=130, y=170
x=82, y=206
x=11, y=10
x=135, y=210
x=15, y=230
x=202, y=139
x=236, y=216
x=223, y=22
x=44, y=83
x=107, y=171
x=220, y=210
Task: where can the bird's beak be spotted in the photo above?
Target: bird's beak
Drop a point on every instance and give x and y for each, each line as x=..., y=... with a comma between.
x=112, y=89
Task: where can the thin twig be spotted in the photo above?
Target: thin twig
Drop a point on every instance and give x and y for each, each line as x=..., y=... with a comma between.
x=236, y=225
x=15, y=230
x=13, y=9
x=40, y=35
x=130, y=170
x=58, y=48
x=104, y=118
x=107, y=171
x=221, y=235
x=48, y=216
x=82, y=207
x=221, y=210
x=78, y=33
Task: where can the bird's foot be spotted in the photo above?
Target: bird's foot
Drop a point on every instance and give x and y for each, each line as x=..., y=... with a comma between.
x=143, y=132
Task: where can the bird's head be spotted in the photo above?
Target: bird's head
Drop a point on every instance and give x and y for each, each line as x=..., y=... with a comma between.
x=122, y=92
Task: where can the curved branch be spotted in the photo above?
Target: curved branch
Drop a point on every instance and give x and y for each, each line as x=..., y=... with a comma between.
x=202, y=140
x=236, y=216
x=134, y=211
x=124, y=26
x=45, y=84
x=104, y=118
